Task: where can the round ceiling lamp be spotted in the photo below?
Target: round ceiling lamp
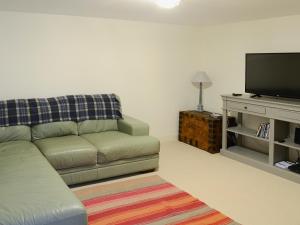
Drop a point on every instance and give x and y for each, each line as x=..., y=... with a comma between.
x=167, y=4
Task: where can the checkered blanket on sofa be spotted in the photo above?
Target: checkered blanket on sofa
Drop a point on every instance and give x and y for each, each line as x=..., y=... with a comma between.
x=64, y=108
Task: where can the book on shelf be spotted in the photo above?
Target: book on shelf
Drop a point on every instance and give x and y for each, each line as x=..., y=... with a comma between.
x=263, y=130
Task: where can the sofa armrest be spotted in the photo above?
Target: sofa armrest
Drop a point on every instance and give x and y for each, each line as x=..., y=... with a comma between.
x=133, y=126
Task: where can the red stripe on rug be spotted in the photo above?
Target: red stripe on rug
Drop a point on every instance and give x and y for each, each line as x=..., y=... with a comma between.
x=140, y=191
x=225, y=221
x=122, y=209
x=159, y=215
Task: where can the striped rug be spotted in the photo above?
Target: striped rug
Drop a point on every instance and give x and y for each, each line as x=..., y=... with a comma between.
x=147, y=200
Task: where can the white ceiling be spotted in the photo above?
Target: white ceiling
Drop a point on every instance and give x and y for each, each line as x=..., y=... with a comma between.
x=190, y=12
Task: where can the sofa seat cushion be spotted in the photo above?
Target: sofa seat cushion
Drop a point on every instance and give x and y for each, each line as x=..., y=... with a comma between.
x=31, y=191
x=115, y=145
x=68, y=151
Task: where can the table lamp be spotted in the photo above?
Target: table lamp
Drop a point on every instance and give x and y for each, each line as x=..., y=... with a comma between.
x=200, y=78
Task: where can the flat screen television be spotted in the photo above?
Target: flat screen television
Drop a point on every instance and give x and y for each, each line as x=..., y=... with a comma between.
x=273, y=74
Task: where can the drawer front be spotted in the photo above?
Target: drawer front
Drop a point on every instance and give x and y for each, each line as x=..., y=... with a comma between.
x=244, y=107
x=284, y=114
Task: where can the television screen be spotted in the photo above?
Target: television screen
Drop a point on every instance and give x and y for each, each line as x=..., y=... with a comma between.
x=273, y=74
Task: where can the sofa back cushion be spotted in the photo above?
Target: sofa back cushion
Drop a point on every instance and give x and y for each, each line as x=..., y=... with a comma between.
x=55, y=129
x=15, y=133
x=96, y=126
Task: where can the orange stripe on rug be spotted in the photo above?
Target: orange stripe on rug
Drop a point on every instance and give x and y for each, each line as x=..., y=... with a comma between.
x=131, y=200
x=212, y=217
x=162, y=212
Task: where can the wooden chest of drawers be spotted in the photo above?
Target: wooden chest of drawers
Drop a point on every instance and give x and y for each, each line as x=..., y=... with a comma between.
x=201, y=129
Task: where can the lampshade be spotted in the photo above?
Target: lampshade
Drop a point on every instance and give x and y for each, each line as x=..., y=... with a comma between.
x=200, y=77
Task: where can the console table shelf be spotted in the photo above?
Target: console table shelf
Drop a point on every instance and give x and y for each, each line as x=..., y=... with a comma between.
x=288, y=143
x=248, y=153
x=246, y=132
x=282, y=114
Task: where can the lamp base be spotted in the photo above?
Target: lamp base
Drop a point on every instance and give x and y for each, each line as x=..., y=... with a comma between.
x=200, y=108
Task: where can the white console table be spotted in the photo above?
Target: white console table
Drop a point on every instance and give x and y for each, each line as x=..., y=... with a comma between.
x=280, y=113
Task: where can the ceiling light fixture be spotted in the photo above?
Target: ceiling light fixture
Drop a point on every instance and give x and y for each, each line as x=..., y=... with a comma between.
x=167, y=4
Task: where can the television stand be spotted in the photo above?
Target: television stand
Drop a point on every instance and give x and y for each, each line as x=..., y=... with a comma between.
x=282, y=114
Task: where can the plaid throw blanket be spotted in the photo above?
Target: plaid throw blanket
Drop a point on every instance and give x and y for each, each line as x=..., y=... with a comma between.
x=65, y=108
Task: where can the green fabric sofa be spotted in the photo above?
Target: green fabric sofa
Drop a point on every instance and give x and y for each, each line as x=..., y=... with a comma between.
x=37, y=162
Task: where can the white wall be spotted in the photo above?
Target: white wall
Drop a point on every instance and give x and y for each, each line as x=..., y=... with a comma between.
x=223, y=51
x=148, y=65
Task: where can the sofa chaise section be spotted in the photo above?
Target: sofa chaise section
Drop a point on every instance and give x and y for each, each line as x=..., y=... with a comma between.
x=31, y=191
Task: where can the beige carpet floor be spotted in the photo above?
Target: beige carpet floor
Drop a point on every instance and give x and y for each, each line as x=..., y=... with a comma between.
x=248, y=195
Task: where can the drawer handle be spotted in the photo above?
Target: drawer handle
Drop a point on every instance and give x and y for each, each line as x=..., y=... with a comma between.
x=245, y=107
